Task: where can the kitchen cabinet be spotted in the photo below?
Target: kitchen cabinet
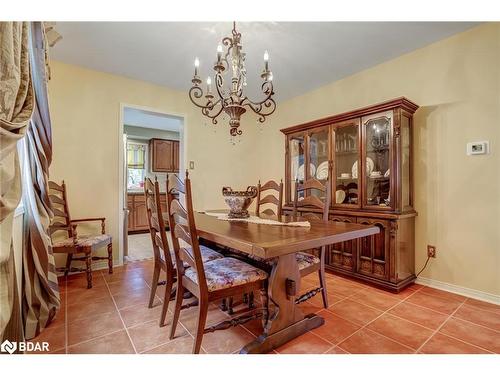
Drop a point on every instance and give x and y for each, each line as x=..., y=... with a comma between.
x=137, y=214
x=164, y=155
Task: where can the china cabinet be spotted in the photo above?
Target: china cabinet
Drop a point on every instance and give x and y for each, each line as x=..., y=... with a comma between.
x=367, y=153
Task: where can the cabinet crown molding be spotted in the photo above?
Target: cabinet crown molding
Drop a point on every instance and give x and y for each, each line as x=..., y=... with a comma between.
x=401, y=102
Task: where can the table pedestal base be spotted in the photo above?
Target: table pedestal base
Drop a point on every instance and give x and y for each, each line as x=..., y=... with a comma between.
x=265, y=343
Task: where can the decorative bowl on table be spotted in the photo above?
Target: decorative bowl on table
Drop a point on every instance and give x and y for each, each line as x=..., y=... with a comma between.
x=239, y=201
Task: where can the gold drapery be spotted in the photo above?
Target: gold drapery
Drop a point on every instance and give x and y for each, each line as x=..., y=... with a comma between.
x=16, y=108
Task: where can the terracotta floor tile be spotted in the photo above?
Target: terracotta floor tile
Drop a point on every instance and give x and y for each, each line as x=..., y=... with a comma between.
x=80, y=279
x=317, y=300
x=342, y=287
x=442, y=305
x=81, y=295
x=227, y=341
x=442, y=294
x=336, y=350
x=94, y=326
x=335, y=328
x=305, y=344
x=149, y=335
x=86, y=309
x=409, y=290
x=134, y=297
x=308, y=308
x=183, y=345
x=114, y=343
x=482, y=317
x=368, y=342
x=132, y=274
x=137, y=314
x=442, y=344
x=483, y=305
x=420, y=315
x=400, y=330
x=127, y=285
x=54, y=335
x=375, y=299
x=355, y=312
x=472, y=333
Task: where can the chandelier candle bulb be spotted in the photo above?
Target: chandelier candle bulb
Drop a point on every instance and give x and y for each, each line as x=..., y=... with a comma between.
x=219, y=53
x=196, y=65
x=266, y=61
x=209, y=84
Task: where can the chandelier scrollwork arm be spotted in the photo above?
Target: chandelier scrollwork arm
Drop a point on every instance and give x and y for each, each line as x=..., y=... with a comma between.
x=266, y=106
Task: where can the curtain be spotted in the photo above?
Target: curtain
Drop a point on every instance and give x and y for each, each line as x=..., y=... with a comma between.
x=136, y=156
x=16, y=107
x=41, y=293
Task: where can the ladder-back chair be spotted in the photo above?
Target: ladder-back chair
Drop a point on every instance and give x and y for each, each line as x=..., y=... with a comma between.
x=270, y=198
x=210, y=281
x=309, y=263
x=164, y=259
x=74, y=244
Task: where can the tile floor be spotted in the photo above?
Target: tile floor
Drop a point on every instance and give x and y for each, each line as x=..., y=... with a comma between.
x=113, y=317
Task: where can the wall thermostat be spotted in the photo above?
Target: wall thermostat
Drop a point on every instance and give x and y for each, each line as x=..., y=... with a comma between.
x=477, y=148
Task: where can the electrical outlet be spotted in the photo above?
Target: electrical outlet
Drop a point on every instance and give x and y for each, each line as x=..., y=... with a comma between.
x=431, y=251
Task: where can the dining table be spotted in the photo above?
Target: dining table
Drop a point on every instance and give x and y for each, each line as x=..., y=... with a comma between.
x=285, y=320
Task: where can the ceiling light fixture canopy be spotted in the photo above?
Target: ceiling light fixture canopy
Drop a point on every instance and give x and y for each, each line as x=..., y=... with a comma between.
x=231, y=99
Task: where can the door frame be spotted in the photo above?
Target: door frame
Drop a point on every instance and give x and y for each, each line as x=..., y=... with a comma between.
x=122, y=202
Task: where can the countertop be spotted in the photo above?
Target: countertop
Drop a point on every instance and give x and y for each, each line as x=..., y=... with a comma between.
x=140, y=192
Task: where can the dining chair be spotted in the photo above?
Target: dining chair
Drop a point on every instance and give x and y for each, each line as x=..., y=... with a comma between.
x=164, y=258
x=310, y=192
x=72, y=243
x=272, y=186
x=210, y=281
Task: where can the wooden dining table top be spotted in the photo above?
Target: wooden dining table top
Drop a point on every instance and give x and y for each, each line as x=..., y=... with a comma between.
x=269, y=241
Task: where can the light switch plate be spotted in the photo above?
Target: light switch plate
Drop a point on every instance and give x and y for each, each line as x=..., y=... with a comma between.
x=478, y=148
x=191, y=165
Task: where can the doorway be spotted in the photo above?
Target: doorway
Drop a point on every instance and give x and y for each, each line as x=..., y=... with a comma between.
x=152, y=146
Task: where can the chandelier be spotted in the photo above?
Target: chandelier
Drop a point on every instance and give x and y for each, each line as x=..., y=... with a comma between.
x=229, y=98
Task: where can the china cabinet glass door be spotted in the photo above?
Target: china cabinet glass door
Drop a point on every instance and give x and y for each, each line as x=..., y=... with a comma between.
x=318, y=157
x=297, y=147
x=346, y=151
x=377, y=155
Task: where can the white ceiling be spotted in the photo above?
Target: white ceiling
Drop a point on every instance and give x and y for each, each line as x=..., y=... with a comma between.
x=152, y=120
x=303, y=55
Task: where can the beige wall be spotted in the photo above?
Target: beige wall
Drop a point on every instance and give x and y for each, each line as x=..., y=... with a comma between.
x=456, y=83
x=85, y=110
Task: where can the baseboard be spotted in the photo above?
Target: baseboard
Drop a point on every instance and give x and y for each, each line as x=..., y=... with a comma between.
x=463, y=291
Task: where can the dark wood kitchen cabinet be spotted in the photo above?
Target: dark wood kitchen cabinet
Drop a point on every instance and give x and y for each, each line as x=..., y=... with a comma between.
x=137, y=215
x=164, y=155
x=367, y=155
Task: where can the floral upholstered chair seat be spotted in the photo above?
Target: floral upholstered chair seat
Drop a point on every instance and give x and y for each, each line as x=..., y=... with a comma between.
x=226, y=272
x=207, y=254
x=304, y=260
x=84, y=241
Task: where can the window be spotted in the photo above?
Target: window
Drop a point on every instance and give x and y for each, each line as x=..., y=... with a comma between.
x=136, y=164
